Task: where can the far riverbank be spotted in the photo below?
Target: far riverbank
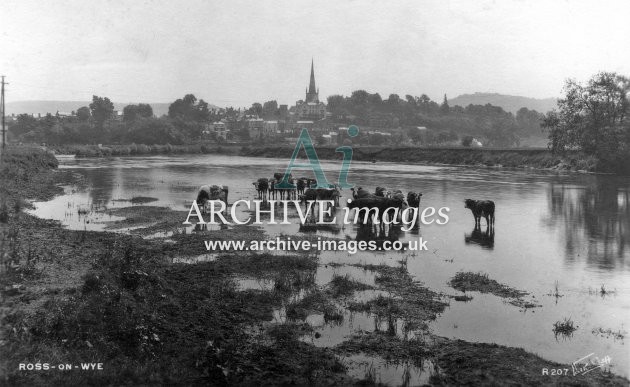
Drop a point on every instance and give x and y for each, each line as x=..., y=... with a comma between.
x=521, y=158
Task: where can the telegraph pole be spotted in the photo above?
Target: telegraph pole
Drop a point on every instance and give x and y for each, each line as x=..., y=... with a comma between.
x=4, y=129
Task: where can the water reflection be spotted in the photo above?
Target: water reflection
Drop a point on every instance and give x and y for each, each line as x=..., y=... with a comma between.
x=378, y=233
x=594, y=218
x=485, y=239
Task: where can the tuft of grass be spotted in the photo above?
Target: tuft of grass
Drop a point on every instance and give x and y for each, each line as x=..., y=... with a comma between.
x=602, y=291
x=143, y=199
x=333, y=314
x=344, y=285
x=566, y=327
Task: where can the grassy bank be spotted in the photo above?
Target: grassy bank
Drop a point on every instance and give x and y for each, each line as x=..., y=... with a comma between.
x=142, y=149
x=117, y=299
x=24, y=173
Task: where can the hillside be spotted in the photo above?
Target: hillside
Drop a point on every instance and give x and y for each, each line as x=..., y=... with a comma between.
x=43, y=107
x=510, y=103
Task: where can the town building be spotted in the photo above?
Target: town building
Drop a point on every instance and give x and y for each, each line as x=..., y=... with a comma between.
x=310, y=108
x=259, y=128
x=219, y=129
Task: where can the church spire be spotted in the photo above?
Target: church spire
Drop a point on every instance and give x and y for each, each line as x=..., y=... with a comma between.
x=311, y=86
x=312, y=94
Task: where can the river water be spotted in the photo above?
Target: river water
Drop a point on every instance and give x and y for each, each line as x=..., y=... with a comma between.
x=572, y=230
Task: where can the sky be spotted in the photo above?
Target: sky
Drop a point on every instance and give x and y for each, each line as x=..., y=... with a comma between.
x=234, y=53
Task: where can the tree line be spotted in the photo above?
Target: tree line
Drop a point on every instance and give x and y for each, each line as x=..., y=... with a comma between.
x=489, y=123
x=99, y=123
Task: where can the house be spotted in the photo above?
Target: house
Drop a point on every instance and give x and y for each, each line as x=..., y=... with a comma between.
x=255, y=127
x=219, y=129
x=270, y=128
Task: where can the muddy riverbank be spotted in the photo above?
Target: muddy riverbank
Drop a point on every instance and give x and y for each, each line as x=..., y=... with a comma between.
x=232, y=318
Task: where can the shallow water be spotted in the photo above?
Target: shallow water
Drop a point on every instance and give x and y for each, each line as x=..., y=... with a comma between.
x=569, y=228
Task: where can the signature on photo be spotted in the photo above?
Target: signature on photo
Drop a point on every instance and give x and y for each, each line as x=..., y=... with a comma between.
x=589, y=363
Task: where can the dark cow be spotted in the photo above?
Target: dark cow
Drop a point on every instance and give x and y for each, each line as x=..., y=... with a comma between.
x=413, y=199
x=329, y=194
x=292, y=192
x=212, y=192
x=360, y=193
x=384, y=205
x=318, y=194
x=301, y=185
x=321, y=194
x=287, y=193
x=481, y=208
x=262, y=186
x=279, y=175
x=382, y=191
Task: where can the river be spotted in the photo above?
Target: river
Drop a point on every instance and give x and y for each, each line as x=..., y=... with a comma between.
x=572, y=230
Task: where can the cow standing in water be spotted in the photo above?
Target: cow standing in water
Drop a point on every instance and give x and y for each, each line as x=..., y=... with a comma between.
x=261, y=185
x=212, y=192
x=481, y=208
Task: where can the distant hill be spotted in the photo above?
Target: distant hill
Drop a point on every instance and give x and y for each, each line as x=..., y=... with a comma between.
x=43, y=107
x=510, y=103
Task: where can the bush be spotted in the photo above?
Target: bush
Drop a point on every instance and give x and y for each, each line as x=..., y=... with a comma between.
x=133, y=149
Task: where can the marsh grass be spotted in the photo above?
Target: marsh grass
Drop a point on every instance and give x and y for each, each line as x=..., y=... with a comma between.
x=609, y=333
x=334, y=315
x=142, y=200
x=602, y=291
x=564, y=328
x=556, y=291
x=480, y=282
x=344, y=285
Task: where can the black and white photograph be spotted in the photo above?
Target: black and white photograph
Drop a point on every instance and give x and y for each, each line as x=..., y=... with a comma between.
x=347, y=193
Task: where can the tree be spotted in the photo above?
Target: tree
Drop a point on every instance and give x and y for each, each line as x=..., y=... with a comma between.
x=83, y=114
x=102, y=109
x=359, y=97
x=374, y=99
x=25, y=123
x=393, y=99
x=502, y=133
x=270, y=109
x=132, y=112
x=444, y=108
x=335, y=102
x=256, y=109
x=153, y=131
x=189, y=116
x=529, y=121
x=592, y=117
x=201, y=111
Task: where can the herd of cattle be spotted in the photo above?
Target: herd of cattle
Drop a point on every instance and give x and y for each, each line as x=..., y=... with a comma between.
x=382, y=198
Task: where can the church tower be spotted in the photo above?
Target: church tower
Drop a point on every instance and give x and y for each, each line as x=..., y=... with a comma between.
x=312, y=94
x=310, y=109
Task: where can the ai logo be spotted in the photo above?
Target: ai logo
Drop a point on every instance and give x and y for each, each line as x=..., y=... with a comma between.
x=313, y=162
